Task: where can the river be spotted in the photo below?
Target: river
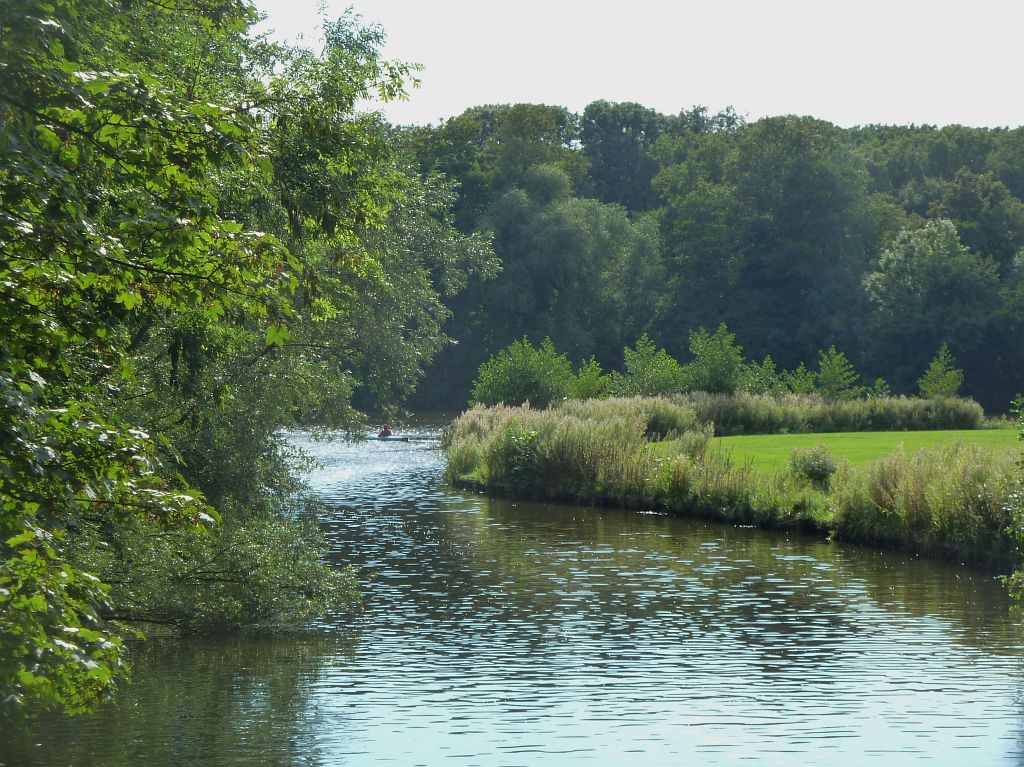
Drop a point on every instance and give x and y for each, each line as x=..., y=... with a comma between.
x=504, y=633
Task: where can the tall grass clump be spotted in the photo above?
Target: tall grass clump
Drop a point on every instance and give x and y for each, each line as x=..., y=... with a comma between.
x=744, y=413
x=954, y=502
x=661, y=417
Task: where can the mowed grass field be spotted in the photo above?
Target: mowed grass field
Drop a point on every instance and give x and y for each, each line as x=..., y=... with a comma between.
x=770, y=452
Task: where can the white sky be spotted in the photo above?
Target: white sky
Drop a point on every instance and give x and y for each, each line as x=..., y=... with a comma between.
x=852, y=62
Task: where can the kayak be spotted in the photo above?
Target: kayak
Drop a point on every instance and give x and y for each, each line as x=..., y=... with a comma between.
x=392, y=438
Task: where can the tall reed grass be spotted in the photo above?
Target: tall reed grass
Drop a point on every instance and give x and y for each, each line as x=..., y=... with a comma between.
x=744, y=413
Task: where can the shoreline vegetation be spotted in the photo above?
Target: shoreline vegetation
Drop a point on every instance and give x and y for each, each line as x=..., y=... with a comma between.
x=955, y=500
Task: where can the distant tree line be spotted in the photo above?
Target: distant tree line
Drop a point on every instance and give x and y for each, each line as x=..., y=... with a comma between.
x=886, y=242
x=541, y=376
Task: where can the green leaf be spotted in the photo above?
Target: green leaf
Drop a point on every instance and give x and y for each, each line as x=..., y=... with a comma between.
x=277, y=335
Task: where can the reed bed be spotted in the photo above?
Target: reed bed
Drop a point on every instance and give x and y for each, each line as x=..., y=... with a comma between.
x=957, y=502
x=744, y=413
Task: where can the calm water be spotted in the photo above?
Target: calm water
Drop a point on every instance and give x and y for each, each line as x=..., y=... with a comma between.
x=498, y=633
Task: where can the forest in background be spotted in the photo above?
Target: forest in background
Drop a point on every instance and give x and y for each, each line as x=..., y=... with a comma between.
x=885, y=242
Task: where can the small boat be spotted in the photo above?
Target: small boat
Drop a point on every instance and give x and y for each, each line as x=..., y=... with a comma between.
x=391, y=438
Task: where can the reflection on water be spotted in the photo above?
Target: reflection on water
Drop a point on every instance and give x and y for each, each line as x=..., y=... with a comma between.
x=498, y=633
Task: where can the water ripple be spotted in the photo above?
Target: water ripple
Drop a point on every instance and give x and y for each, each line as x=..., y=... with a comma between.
x=508, y=633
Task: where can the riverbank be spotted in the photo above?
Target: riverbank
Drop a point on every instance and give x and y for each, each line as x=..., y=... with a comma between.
x=956, y=501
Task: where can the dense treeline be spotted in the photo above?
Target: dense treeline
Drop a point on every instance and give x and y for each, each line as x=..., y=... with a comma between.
x=885, y=242
x=203, y=241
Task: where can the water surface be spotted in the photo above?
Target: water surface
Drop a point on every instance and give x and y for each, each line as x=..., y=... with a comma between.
x=500, y=633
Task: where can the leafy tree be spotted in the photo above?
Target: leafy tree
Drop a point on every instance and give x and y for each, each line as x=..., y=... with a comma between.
x=617, y=139
x=988, y=219
x=591, y=381
x=800, y=380
x=154, y=343
x=106, y=207
x=942, y=378
x=836, y=379
x=762, y=378
x=929, y=289
x=576, y=270
x=523, y=373
x=649, y=371
x=717, y=364
x=768, y=220
x=879, y=389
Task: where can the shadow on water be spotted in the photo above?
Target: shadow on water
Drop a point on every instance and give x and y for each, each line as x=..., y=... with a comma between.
x=496, y=632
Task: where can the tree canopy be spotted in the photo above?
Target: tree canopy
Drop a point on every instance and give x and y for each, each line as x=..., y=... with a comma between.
x=204, y=241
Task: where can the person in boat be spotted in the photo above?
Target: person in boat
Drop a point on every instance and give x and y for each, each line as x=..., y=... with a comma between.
x=386, y=431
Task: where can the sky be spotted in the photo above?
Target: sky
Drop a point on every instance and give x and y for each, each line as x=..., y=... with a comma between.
x=852, y=62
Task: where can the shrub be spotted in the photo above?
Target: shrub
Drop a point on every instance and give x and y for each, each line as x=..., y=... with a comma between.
x=762, y=378
x=658, y=417
x=649, y=372
x=942, y=378
x=521, y=373
x=956, y=501
x=816, y=465
x=717, y=364
x=836, y=379
x=591, y=382
x=801, y=380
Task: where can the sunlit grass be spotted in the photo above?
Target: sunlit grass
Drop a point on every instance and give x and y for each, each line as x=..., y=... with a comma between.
x=770, y=453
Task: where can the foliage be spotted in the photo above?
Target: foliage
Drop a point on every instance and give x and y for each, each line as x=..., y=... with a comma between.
x=954, y=502
x=591, y=382
x=199, y=248
x=649, y=371
x=744, y=413
x=942, y=378
x=800, y=380
x=793, y=232
x=836, y=379
x=816, y=465
x=660, y=417
x=717, y=364
x=929, y=289
x=762, y=378
x=523, y=373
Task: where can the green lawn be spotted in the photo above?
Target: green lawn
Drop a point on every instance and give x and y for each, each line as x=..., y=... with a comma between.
x=770, y=452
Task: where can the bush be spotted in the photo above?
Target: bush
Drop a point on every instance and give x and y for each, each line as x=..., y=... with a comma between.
x=836, y=379
x=942, y=378
x=591, y=382
x=744, y=413
x=649, y=372
x=658, y=417
x=521, y=373
x=717, y=364
x=816, y=465
x=762, y=378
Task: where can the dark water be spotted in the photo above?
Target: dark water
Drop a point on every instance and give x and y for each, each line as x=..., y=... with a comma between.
x=498, y=633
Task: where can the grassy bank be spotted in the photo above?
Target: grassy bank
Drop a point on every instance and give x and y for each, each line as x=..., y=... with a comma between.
x=952, y=498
